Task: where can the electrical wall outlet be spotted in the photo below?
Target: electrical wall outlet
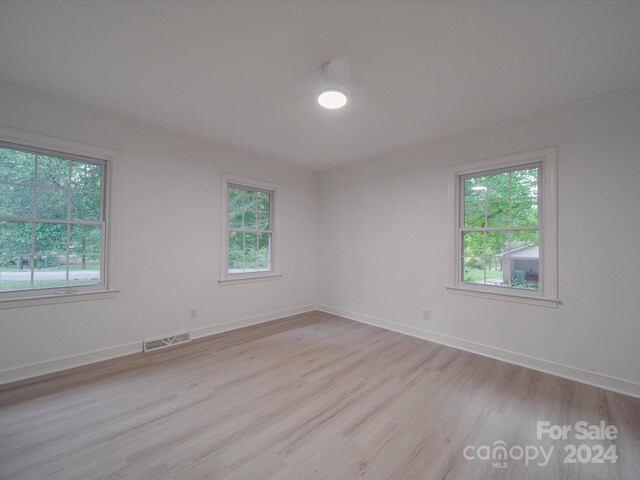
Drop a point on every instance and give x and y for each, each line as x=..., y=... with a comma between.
x=193, y=313
x=426, y=315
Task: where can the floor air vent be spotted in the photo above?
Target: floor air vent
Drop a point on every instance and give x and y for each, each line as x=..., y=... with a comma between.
x=166, y=342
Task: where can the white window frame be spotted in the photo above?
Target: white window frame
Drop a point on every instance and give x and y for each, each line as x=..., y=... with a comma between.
x=76, y=151
x=547, y=294
x=227, y=278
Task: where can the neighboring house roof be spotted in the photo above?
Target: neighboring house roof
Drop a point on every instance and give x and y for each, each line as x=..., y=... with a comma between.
x=522, y=252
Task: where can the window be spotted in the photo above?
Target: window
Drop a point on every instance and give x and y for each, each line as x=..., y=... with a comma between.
x=52, y=222
x=249, y=233
x=505, y=226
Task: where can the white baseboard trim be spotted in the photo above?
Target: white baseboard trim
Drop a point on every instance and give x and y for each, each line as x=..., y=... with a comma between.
x=247, y=322
x=59, y=364
x=595, y=379
x=56, y=365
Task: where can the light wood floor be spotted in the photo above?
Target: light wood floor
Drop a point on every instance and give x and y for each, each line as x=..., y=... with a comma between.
x=313, y=396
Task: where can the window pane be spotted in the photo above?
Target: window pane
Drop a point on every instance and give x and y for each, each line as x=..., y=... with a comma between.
x=524, y=213
x=16, y=166
x=264, y=252
x=84, y=269
x=15, y=238
x=473, y=243
x=495, y=275
x=498, y=214
x=264, y=221
x=53, y=172
x=522, y=264
x=50, y=271
x=475, y=189
x=236, y=199
x=524, y=238
x=497, y=243
x=51, y=238
x=235, y=218
x=474, y=214
x=85, y=206
x=249, y=222
x=524, y=183
x=86, y=176
x=498, y=186
x=236, y=207
x=236, y=252
x=249, y=210
x=263, y=201
x=250, y=197
x=250, y=252
x=16, y=201
x=52, y=204
x=473, y=270
x=15, y=273
x=61, y=186
x=494, y=254
x=85, y=239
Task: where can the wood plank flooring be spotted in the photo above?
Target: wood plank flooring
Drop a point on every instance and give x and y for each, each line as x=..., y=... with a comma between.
x=313, y=396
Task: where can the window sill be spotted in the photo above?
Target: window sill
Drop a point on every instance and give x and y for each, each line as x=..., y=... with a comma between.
x=49, y=299
x=507, y=297
x=260, y=278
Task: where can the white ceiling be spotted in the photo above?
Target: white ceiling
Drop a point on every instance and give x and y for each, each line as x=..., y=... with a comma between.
x=247, y=74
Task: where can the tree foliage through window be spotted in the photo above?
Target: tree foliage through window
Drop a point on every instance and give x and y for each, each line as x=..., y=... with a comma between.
x=500, y=228
x=51, y=220
x=249, y=229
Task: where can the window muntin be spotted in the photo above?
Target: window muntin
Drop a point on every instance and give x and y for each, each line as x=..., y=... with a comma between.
x=249, y=230
x=500, y=228
x=52, y=222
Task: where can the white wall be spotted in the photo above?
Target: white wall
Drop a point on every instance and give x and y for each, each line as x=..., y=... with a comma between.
x=168, y=243
x=384, y=244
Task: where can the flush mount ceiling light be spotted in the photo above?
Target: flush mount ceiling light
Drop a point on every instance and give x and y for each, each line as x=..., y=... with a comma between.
x=336, y=73
x=332, y=98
